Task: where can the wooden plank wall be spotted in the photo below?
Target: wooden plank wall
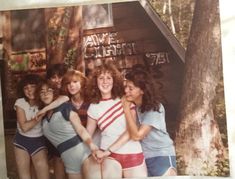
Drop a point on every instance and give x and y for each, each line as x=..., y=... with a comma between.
x=133, y=25
x=135, y=39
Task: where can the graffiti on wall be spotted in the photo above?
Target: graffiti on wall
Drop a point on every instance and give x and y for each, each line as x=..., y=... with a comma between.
x=106, y=45
x=28, y=61
x=157, y=58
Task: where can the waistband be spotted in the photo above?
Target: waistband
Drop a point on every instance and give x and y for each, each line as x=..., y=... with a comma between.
x=69, y=144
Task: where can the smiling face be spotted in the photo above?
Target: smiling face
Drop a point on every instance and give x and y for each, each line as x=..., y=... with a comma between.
x=46, y=94
x=105, y=84
x=133, y=93
x=29, y=91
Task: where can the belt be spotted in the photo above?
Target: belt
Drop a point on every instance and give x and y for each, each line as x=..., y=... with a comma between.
x=69, y=144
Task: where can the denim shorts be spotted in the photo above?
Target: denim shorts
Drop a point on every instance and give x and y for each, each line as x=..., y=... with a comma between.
x=158, y=166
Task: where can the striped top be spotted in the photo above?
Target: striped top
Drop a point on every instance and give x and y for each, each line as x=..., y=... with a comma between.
x=110, y=119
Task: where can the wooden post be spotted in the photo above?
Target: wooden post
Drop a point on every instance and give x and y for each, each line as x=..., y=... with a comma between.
x=3, y=168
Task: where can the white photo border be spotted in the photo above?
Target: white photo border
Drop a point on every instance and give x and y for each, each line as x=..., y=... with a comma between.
x=227, y=14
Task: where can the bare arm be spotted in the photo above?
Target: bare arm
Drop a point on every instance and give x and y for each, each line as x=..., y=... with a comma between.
x=91, y=126
x=136, y=133
x=123, y=139
x=115, y=146
x=81, y=131
x=23, y=123
x=60, y=100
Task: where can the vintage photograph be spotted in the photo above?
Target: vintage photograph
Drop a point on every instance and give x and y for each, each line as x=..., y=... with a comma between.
x=124, y=89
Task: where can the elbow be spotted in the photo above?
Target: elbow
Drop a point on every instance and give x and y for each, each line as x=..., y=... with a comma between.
x=24, y=129
x=136, y=137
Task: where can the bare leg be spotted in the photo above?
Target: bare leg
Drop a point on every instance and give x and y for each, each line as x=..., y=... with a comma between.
x=170, y=172
x=111, y=169
x=33, y=173
x=91, y=165
x=41, y=164
x=22, y=163
x=74, y=176
x=136, y=172
x=58, y=165
x=107, y=170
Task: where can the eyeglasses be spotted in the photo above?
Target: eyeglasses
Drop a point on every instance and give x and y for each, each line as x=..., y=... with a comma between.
x=46, y=92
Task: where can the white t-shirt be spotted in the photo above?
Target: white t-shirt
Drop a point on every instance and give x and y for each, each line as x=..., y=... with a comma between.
x=30, y=112
x=111, y=121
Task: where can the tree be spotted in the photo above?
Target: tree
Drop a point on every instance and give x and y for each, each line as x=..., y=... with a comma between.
x=64, y=36
x=199, y=145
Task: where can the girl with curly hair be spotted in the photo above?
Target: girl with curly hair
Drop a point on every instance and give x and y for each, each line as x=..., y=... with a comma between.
x=105, y=90
x=142, y=90
x=29, y=142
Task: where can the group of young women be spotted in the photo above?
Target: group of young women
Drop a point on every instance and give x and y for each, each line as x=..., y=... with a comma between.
x=104, y=124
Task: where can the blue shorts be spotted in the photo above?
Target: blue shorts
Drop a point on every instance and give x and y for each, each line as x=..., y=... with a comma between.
x=30, y=144
x=158, y=166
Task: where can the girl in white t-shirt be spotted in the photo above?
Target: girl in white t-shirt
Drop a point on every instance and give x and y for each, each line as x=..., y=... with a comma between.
x=105, y=89
x=29, y=143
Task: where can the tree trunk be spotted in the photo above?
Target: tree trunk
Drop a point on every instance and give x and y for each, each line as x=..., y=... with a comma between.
x=57, y=21
x=74, y=52
x=199, y=145
x=64, y=37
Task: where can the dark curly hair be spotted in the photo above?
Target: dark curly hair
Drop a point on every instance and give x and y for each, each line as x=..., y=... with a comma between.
x=93, y=94
x=46, y=82
x=152, y=96
x=32, y=79
x=71, y=75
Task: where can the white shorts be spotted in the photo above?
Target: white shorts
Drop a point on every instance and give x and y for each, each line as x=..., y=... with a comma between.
x=74, y=157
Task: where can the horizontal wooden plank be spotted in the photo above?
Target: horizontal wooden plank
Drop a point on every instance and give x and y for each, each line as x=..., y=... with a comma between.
x=138, y=34
x=121, y=10
x=133, y=22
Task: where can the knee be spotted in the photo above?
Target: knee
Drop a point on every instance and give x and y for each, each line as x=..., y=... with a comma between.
x=41, y=163
x=171, y=172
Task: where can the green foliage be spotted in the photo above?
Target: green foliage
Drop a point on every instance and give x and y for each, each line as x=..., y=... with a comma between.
x=182, y=13
x=221, y=168
x=70, y=57
x=181, y=166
